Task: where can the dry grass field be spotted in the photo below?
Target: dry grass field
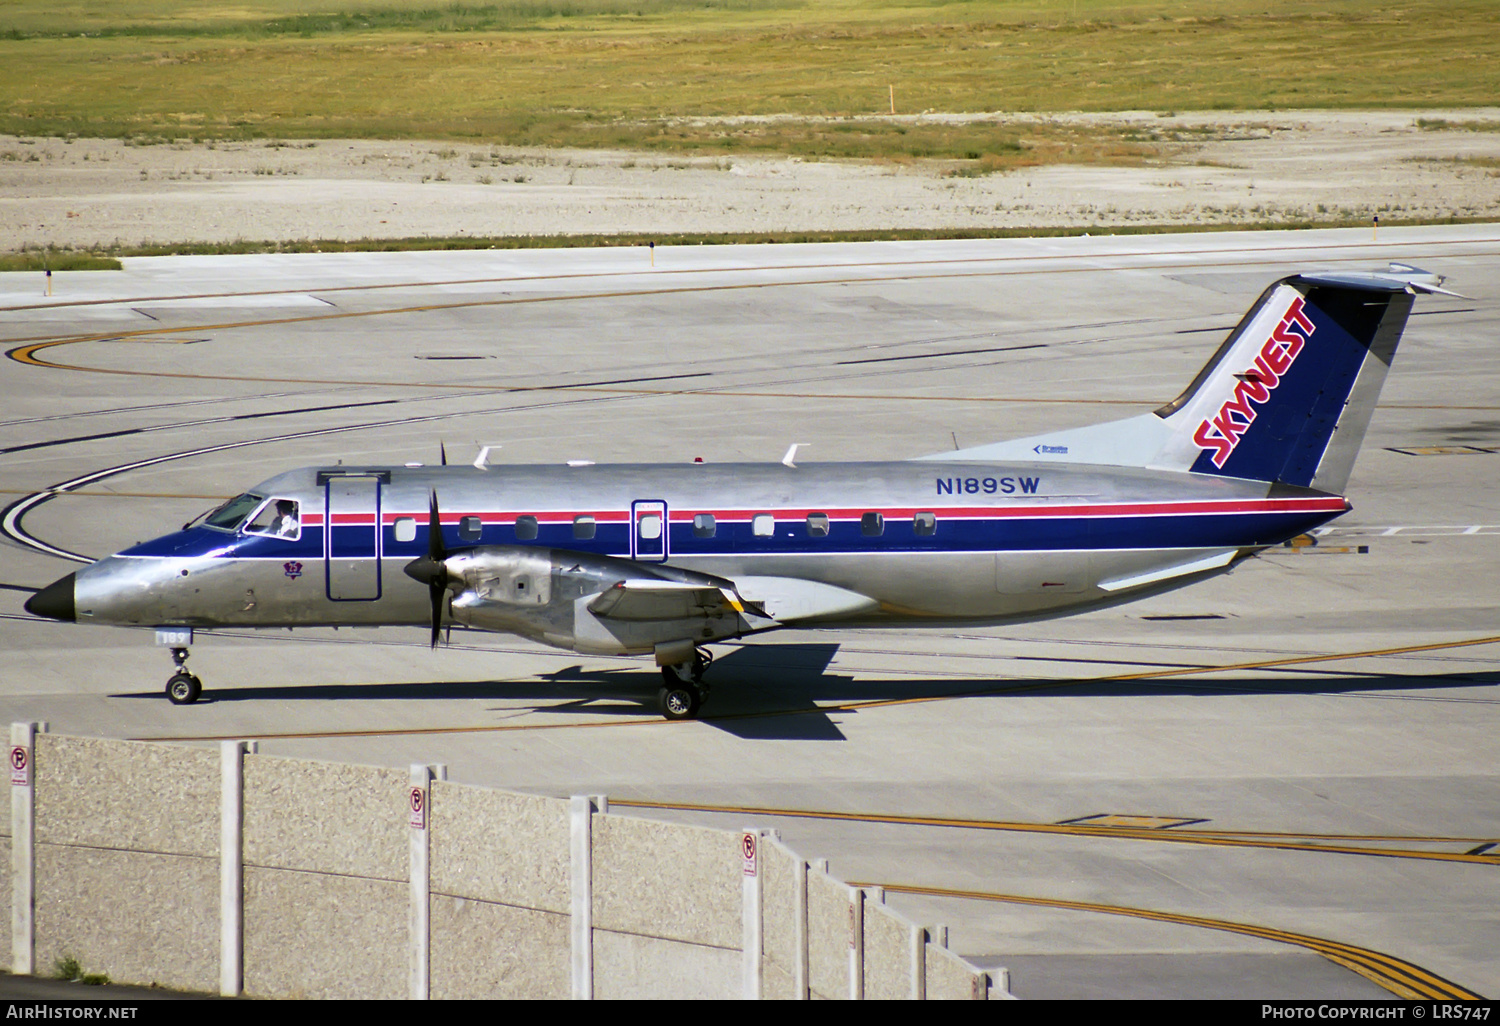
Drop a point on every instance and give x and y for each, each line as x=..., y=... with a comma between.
x=153, y=125
x=682, y=75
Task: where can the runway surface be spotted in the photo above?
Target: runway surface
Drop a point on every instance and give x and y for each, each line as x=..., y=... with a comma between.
x=1279, y=784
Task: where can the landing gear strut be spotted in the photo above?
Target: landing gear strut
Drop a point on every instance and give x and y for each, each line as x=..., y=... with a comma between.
x=683, y=691
x=183, y=688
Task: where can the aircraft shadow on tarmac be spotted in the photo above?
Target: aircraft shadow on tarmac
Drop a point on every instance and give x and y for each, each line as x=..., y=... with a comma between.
x=783, y=692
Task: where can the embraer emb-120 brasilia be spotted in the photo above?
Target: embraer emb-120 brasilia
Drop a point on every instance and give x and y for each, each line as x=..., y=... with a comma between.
x=664, y=559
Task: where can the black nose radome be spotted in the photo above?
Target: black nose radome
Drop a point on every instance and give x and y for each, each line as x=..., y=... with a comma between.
x=55, y=600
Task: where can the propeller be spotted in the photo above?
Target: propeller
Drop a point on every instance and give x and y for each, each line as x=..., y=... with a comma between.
x=429, y=569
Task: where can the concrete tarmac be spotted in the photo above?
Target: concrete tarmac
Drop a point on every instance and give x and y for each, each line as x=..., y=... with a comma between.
x=1185, y=797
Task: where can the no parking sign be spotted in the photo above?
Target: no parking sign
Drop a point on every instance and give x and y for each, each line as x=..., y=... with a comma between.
x=20, y=766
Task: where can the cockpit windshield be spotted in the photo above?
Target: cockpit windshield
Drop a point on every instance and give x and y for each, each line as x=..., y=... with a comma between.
x=232, y=514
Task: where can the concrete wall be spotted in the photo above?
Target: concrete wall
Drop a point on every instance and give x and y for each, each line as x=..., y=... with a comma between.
x=667, y=907
x=784, y=876
x=829, y=936
x=127, y=860
x=341, y=892
x=500, y=894
x=5, y=899
x=326, y=859
x=888, y=969
x=664, y=880
x=950, y=978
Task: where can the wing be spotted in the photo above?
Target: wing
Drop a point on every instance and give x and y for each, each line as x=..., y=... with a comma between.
x=795, y=600
x=651, y=599
x=782, y=599
x=601, y=604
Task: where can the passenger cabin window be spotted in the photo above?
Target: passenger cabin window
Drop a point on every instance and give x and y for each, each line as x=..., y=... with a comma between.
x=406, y=529
x=703, y=525
x=649, y=526
x=526, y=528
x=763, y=525
x=278, y=518
x=817, y=525
x=872, y=525
x=924, y=524
x=470, y=529
x=583, y=527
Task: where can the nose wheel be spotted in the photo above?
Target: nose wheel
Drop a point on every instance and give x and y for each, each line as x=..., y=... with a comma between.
x=682, y=692
x=183, y=688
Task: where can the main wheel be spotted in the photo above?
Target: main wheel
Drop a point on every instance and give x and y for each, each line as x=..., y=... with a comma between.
x=184, y=689
x=679, y=701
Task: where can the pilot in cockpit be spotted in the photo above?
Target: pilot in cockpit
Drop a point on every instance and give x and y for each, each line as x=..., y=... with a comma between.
x=285, y=524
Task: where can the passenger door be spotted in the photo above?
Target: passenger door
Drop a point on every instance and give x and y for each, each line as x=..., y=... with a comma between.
x=351, y=535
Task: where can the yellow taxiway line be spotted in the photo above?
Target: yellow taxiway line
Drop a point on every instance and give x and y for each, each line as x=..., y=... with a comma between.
x=1396, y=975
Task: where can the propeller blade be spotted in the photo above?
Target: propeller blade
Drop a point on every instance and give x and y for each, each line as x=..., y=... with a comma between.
x=430, y=569
x=435, y=551
x=437, y=583
x=436, y=590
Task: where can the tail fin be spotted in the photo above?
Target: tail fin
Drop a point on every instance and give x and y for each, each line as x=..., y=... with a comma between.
x=1286, y=398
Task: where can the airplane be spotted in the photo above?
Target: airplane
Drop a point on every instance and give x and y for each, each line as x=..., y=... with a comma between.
x=664, y=559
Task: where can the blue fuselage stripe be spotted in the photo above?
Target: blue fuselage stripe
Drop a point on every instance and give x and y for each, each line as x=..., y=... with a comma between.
x=791, y=538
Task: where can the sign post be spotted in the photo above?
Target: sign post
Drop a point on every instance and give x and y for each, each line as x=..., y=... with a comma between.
x=23, y=846
x=418, y=796
x=752, y=914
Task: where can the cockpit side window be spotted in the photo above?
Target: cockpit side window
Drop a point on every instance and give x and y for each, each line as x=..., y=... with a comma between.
x=279, y=518
x=233, y=513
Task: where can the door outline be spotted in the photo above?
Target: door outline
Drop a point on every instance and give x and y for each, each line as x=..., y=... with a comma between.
x=355, y=583
x=649, y=550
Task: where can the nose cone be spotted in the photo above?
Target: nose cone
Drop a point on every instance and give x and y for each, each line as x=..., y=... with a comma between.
x=54, y=601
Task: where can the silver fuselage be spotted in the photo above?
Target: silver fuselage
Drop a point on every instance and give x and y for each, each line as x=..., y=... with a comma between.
x=926, y=542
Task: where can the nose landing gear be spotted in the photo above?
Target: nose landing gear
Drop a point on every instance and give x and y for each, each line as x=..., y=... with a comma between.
x=183, y=688
x=683, y=692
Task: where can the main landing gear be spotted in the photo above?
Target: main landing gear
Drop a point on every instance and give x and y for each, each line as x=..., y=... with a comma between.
x=683, y=691
x=183, y=688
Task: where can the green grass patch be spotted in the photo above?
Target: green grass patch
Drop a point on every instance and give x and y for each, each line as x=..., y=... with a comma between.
x=983, y=146
x=279, y=18
x=1492, y=162
x=109, y=258
x=57, y=260
x=68, y=968
x=618, y=72
x=1446, y=125
x=643, y=239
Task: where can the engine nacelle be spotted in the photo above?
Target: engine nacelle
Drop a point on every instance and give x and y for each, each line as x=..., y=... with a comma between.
x=593, y=604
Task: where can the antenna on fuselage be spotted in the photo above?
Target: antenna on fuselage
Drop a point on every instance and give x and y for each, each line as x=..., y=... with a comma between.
x=481, y=462
x=791, y=454
x=442, y=453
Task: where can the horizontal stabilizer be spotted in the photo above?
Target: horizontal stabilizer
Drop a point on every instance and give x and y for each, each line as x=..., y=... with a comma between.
x=1196, y=566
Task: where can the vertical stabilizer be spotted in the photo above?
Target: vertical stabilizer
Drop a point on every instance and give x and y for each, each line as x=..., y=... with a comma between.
x=1288, y=396
x=1285, y=399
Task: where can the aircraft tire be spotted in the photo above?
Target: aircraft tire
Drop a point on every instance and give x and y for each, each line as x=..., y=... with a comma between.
x=679, y=701
x=183, y=689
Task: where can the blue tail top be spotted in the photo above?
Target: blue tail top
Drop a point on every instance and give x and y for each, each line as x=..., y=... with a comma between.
x=1285, y=400
x=1303, y=367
